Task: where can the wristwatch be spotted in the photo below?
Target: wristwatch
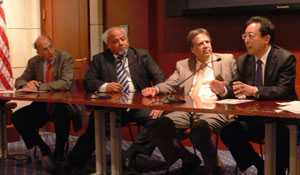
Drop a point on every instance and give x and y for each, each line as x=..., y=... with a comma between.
x=256, y=93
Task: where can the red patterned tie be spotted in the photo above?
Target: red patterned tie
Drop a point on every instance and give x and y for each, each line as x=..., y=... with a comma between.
x=50, y=78
x=49, y=73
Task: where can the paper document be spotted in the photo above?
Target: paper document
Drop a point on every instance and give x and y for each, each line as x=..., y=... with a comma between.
x=233, y=101
x=293, y=106
x=4, y=92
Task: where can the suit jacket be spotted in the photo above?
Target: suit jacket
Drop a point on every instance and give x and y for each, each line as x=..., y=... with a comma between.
x=185, y=68
x=62, y=69
x=143, y=70
x=279, y=77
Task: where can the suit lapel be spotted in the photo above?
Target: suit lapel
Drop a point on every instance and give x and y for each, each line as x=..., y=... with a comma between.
x=216, y=65
x=111, y=67
x=250, y=67
x=191, y=69
x=40, y=70
x=56, y=65
x=133, y=66
x=271, y=61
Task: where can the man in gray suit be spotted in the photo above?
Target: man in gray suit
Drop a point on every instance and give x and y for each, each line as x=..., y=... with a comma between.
x=49, y=70
x=203, y=68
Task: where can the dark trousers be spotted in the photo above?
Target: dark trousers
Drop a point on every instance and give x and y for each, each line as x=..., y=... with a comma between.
x=29, y=119
x=85, y=145
x=237, y=134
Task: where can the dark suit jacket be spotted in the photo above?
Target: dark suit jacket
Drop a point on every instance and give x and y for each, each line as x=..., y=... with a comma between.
x=143, y=70
x=279, y=77
x=62, y=69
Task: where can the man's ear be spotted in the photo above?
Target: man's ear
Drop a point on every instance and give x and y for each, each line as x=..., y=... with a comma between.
x=267, y=38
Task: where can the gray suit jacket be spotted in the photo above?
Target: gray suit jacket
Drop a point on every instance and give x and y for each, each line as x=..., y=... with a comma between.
x=185, y=68
x=62, y=68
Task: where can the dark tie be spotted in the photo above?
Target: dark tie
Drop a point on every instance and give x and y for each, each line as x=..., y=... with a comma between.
x=122, y=75
x=258, y=75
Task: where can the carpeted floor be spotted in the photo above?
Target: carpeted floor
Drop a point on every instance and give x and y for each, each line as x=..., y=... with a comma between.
x=33, y=166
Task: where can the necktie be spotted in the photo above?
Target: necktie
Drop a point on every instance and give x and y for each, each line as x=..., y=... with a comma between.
x=50, y=78
x=198, y=83
x=122, y=76
x=124, y=99
x=258, y=75
x=49, y=73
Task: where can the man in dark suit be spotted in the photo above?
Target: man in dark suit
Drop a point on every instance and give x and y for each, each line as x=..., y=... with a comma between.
x=49, y=70
x=163, y=131
x=266, y=72
x=102, y=76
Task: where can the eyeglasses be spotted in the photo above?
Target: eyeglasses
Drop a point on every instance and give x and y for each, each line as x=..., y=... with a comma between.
x=249, y=35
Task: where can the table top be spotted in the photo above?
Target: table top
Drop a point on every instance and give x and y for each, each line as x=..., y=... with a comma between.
x=253, y=108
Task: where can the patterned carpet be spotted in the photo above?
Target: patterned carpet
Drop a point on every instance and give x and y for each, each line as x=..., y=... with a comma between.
x=33, y=167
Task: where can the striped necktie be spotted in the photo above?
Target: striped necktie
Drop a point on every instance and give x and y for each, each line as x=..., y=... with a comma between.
x=122, y=75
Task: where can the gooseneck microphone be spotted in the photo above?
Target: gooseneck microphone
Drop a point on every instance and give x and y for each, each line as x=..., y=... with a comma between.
x=171, y=98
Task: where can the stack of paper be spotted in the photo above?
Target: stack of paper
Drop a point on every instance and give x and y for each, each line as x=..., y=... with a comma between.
x=293, y=106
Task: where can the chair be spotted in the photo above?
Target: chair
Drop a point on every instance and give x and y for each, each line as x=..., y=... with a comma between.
x=129, y=125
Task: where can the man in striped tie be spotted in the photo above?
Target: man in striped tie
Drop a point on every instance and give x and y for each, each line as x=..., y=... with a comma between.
x=120, y=69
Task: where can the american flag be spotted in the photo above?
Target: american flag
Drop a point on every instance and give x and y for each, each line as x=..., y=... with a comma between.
x=6, y=76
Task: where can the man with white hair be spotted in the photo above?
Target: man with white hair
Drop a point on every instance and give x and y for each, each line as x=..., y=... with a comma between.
x=119, y=69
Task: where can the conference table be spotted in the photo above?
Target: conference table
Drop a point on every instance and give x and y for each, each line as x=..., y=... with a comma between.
x=268, y=110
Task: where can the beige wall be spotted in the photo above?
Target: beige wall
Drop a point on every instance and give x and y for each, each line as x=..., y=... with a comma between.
x=23, y=27
x=96, y=26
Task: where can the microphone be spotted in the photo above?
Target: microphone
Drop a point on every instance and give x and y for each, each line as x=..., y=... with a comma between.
x=171, y=98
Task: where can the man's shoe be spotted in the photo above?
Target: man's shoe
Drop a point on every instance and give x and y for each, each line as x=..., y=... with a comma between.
x=49, y=164
x=191, y=168
x=128, y=162
x=144, y=163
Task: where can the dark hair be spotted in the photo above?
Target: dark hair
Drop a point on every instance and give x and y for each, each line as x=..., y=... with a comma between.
x=41, y=36
x=266, y=26
x=194, y=33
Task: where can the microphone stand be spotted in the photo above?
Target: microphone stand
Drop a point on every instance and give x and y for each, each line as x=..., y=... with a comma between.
x=171, y=98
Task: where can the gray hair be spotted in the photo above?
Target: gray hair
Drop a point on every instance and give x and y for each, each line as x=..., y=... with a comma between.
x=106, y=33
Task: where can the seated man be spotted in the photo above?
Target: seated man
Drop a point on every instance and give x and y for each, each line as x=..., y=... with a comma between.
x=163, y=131
x=266, y=72
x=50, y=70
x=119, y=69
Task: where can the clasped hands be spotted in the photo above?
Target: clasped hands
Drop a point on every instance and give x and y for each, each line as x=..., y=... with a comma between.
x=32, y=85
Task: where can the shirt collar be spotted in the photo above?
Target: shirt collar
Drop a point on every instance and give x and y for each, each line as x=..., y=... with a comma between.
x=265, y=56
x=50, y=61
x=208, y=62
x=117, y=57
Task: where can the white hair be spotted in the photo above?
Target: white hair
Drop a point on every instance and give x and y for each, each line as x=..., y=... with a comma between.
x=106, y=33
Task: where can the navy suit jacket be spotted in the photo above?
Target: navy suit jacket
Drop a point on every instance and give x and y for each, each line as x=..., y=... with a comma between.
x=143, y=70
x=279, y=77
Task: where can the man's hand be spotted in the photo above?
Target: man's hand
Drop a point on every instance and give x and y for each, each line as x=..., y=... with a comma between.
x=155, y=114
x=242, y=89
x=217, y=86
x=32, y=85
x=150, y=91
x=114, y=87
